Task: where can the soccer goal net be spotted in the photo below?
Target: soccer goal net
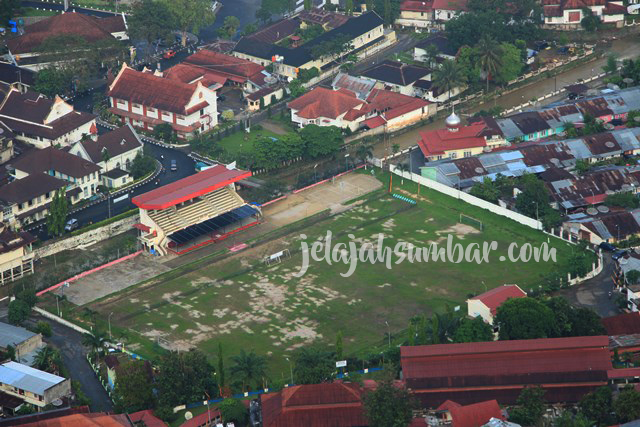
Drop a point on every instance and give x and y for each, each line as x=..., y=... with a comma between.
x=473, y=222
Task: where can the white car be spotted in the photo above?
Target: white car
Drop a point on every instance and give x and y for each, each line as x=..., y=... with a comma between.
x=71, y=225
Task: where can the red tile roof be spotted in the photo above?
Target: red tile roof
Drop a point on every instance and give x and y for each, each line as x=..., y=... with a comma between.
x=202, y=419
x=83, y=420
x=495, y=297
x=147, y=418
x=319, y=405
x=152, y=91
x=623, y=373
x=393, y=104
x=450, y=4
x=374, y=122
x=436, y=142
x=323, y=102
x=187, y=73
x=416, y=6
x=474, y=415
x=236, y=69
x=622, y=324
x=187, y=188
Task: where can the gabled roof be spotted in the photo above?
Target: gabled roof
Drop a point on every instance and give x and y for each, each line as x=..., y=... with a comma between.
x=360, y=86
x=51, y=158
x=459, y=5
x=416, y=6
x=319, y=405
x=495, y=297
x=323, y=102
x=28, y=379
x=83, y=420
x=437, y=142
x=396, y=73
x=237, y=69
x=440, y=42
x=187, y=188
x=25, y=189
x=392, y=104
x=9, y=73
x=622, y=324
x=116, y=142
x=148, y=418
x=474, y=415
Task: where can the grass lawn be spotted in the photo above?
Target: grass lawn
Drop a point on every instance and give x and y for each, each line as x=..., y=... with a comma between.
x=245, y=304
x=30, y=11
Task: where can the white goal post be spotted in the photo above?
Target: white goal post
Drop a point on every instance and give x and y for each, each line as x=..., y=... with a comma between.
x=277, y=257
x=469, y=220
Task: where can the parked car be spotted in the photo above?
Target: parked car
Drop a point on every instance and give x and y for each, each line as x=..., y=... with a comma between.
x=71, y=225
x=221, y=98
x=174, y=165
x=619, y=254
x=169, y=54
x=607, y=247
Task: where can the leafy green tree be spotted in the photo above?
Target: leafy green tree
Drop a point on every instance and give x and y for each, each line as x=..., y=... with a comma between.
x=349, y=7
x=486, y=190
x=184, y=377
x=273, y=152
x=388, y=12
x=321, y=141
x=308, y=4
x=523, y=319
x=134, y=387
x=307, y=74
x=443, y=326
x=611, y=66
x=447, y=77
x=473, y=330
x=597, y=405
x=586, y=322
x=534, y=198
x=248, y=370
x=627, y=405
x=190, y=15
x=313, y=365
x=52, y=81
x=142, y=165
x=296, y=89
x=249, y=29
x=489, y=57
x=150, y=20
x=531, y=407
x=44, y=329
x=48, y=359
x=582, y=166
x=364, y=151
x=164, y=132
x=388, y=405
x=229, y=27
x=339, y=345
x=590, y=22
x=567, y=419
x=625, y=200
x=232, y=410
x=632, y=276
x=58, y=210
x=511, y=63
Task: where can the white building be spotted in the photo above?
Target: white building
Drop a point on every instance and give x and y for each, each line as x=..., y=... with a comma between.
x=486, y=305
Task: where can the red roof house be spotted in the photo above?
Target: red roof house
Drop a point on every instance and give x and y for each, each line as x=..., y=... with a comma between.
x=458, y=141
x=147, y=418
x=319, y=405
x=486, y=305
x=474, y=415
x=566, y=368
x=416, y=6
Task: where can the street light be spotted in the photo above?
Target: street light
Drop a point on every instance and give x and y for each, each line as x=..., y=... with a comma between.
x=290, y=369
x=110, y=338
x=388, y=332
x=346, y=162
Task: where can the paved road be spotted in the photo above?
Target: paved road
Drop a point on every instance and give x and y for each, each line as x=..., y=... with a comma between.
x=594, y=293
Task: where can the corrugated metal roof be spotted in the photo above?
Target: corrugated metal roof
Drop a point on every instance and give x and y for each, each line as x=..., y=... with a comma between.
x=489, y=160
x=509, y=128
x=578, y=149
x=13, y=335
x=449, y=168
x=513, y=166
x=627, y=140
x=508, y=156
x=601, y=229
x=563, y=183
x=26, y=378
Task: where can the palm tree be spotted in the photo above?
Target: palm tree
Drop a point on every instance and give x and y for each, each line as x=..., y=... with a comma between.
x=447, y=77
x=488, y=56
x=48, y=359
x=248, y=368
x=95, y=341
x=363, y=152
x=431, y=54
x=402, y=168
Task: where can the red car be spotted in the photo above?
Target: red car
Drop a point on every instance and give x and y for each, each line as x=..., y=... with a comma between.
x=169, y=54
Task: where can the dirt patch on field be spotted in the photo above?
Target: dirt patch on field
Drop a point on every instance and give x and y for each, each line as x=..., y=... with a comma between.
x=460, y=230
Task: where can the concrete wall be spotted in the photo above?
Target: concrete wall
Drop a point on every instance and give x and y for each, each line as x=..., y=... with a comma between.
x=90, y=237
x=45, y=313
x=476, y=308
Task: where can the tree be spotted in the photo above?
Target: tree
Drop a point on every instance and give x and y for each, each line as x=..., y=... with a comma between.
x=263, y=14
x=388, y=405
x=190, y=15
x=52, y=81
x=57, y=216
x=611, y=66
x=473, y=330
x=589, y=22
x=229, y=27
x=625, y=200
x=489, y=57
x=339, y=345
x=95, y=341
x=534, y=198
x=447, y=77
x=321, y=141
x=627, y=405
x=44, y=329
x=221, y=379
x=511, y=63
x=349, y=7
x=48, y=359
x=105, y=157
x=134, y=387
x=232, y=410
x=402, y=168
x=531, y=406
x=567, y=419
x=249, y=29
x=248, y=370
x=523, y=319
x=308, y=4
x=486, y=190
x=597, y=405
x=150, y=21
x=364, y=151
x=184, y=377
x=164, y=132
x=141, y=166
x=313, y=365
x=7, y=9
x=632, y=277
x=431, y=54
x=296, y=89
x=388, y=13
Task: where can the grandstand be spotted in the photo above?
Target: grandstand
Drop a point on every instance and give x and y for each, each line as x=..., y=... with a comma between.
x=194, y=211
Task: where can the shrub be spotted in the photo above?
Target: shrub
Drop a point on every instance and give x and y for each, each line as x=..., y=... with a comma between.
x=18, y=312
x=44, y=328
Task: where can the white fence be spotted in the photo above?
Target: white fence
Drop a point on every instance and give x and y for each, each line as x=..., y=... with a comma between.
x=45, y=313
x=475, y=201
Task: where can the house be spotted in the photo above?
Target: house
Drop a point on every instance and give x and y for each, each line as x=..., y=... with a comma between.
x=24, y=342
x=365, y=32
x=145, y=100
x=476, y=414
x=147, y=418
x=62, y=165
x=622, y=324
x=7, y=142
x=610, y=227
x=396, y=76
x=416, y=14
x=24, y=48
x=567, y=14
x=264, y=97
x=33, y=386
x=458, y=141
x=113, y=152
x=486, y=305
x=21, y=78
x=566, y=368
x=342, y=108
x=25, y=201
x=444, y=10
x=43, y=122
x=334, y=404
x=111, y=362
x=440, y=45
x=360, y=86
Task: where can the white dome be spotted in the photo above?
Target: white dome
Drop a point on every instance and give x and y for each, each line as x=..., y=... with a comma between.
x=453, y=120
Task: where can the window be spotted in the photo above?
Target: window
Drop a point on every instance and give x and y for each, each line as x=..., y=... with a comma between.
x=467, y=153
x=39, y=199
x=30, y=202
x=202, y=112
x=47, y=195
x=180, y=117
x=20, y=206
x=136, y=105
x=453, y=155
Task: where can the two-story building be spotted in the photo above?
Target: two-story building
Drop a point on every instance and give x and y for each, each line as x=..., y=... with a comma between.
x=568, y=14
x=77, y=171
x=145, y=100
x=33, y=386
x=416, y=14
x=445, y=10
x=396, y=76
x=16, y=261
x=43, y=122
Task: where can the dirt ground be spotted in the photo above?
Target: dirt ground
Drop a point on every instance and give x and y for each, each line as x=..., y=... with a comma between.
x=298, y=206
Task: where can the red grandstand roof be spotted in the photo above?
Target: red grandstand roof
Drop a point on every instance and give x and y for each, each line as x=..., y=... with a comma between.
x=187, y=188
x=495, y=297
x=623, y=373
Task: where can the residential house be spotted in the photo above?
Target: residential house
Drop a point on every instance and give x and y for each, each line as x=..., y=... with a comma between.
x=486, y=305
x=147, y=418
x=25, y=48
x=77, y=171
x=441, y=45
x=16, y=255
x=610, y=227
x=568, y=14
x=43, y=122
x=113, y=152
x=360, y=86
x=27, y=200
x=459, y=141
x=566, y=368
x=7, y=142
x=631, y=291
x=476, y=414
x=342, y=108
x=366, y=34
x=264, y=97
x=33, y=386
x=334, y=404
x=416, y=14
x=397, y=77
x=24, y=342
x=145, y=100
x=445, y=10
